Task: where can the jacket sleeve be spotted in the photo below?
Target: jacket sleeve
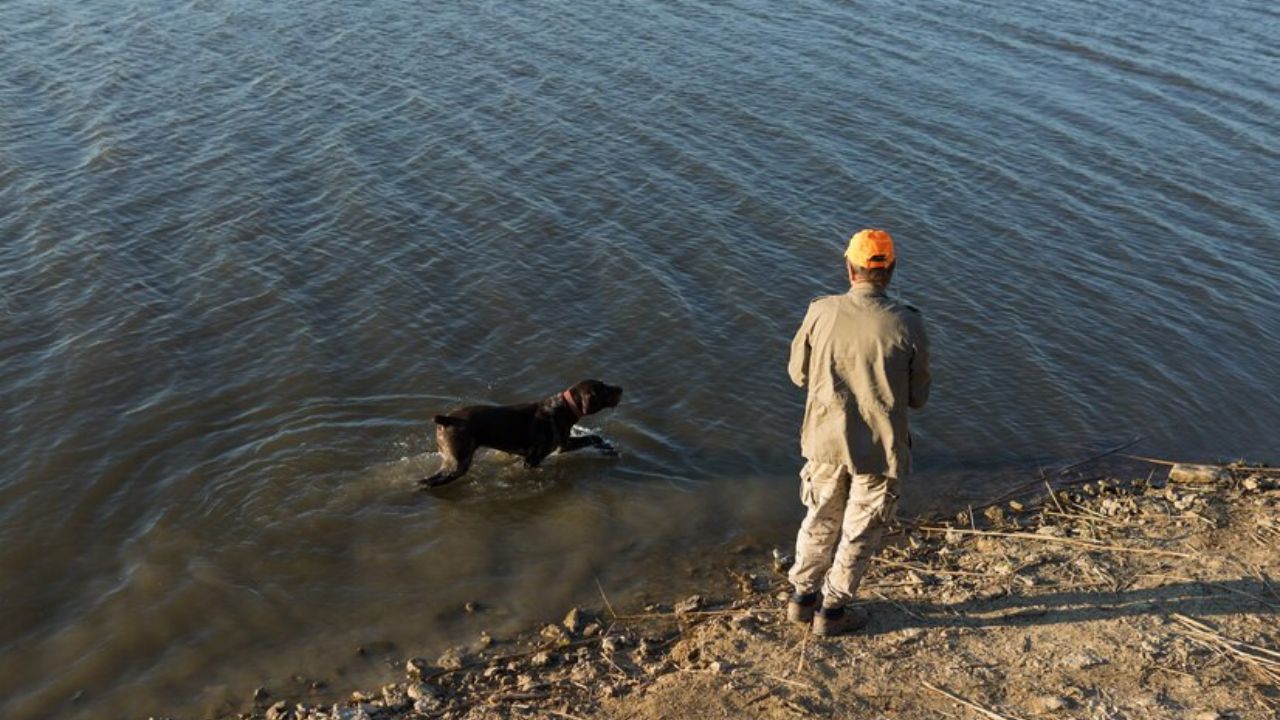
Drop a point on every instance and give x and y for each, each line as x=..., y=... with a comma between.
x=920, y=379
x=798, y=365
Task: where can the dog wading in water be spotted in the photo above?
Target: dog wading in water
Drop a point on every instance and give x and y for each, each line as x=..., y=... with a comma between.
x=531, y=430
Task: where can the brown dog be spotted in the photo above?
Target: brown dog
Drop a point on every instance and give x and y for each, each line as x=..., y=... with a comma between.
x=530, y=430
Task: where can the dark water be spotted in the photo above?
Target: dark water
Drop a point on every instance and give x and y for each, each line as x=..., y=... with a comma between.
x=248, y=248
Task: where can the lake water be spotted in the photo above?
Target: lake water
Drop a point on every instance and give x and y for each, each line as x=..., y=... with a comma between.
x=247, y=249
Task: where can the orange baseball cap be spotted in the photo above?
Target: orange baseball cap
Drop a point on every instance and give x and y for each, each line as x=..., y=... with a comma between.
x=870, y=248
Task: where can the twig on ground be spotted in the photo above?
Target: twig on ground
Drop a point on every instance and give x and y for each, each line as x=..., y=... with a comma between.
x=1053, y=495
x=605, y=598
x=1264, y=661
x=1052, y=539
x=899, y=605
x=984, y=711
x=1099, y=456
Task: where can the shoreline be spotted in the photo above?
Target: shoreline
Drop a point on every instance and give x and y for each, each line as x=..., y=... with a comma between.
x=1105, y=598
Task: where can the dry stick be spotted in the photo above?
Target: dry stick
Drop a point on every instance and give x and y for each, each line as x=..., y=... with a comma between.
x=900, y=606
x=1100, y=455
x=1054, y=496
x=988, y=713
x=1240, y=468
x=931, y=571
x=1049, y=538
x=1206, y=630
x=1212, y=584
x=804, y=645
x=605, y=598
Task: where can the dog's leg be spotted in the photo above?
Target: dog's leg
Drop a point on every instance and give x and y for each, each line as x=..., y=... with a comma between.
x=586, y=441
x=457, y=450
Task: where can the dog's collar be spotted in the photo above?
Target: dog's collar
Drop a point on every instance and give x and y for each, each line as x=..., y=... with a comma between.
x=573, y=405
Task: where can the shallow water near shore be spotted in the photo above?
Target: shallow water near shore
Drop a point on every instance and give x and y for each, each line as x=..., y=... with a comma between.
x=248, y=249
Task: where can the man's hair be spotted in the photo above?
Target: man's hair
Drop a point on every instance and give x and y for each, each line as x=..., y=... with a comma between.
x=879, y=277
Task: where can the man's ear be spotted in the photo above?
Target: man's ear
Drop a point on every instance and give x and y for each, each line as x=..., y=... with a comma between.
x=853, y=273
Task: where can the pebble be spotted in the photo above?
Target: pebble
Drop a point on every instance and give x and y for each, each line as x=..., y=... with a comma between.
x=278, y=711
x=471, y=607
x=416, y=667
x=575, y=621
x=261, y=694
x=693, y=603
x=592, y=629
x=612, y=644
x=1208, y=715
x=542, y=659
x=1083, y=660
x=717, y=667
x=450, y=660
x=1051, y=703
x=419, y=691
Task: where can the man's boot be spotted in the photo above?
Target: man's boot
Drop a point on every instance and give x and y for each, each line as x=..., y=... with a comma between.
x=800, y=608
x=839, y=621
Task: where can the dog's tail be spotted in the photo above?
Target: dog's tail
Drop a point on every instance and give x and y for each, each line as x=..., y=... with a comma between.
x=447, y=421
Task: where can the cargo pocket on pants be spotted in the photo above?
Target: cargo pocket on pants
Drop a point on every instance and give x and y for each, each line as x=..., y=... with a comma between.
x=888, y=509
x=806, y=486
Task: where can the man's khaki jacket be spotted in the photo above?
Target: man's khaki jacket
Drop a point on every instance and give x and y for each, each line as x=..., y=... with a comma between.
x=864, y=358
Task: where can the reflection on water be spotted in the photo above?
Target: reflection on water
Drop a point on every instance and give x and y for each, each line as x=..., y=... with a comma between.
x=249, y=250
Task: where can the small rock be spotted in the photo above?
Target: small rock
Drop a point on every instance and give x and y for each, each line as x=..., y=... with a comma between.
x=426, y=706
x=260, y=694
x=542, y=659
x=693, y=603
x=491, y=672
x=419, y=691
x=611, y=691
x=1208, y=715
x=782, y=562
x=525, y=683
x=995, y=514
x=910, y=634
x=279, y=711
x=612, y=644
x=394, y=696
x=592, y=629
x=416, y=667
x=1016, y=506
x=471, y=607
x=485, y=639
x=450, y=660
x=1083, y=660
x=360, y=697
x=716, y=667
x=1251, y=483
x=575, y=621
x=1051, y=703
x=553, y=632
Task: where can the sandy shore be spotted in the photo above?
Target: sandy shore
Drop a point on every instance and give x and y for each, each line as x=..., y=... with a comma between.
x=1105, y=599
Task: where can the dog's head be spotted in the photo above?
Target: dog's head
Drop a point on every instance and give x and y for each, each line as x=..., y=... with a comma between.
x=594, y=396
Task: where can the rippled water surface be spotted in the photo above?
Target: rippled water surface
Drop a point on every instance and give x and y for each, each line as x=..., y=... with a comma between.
x=247, y=249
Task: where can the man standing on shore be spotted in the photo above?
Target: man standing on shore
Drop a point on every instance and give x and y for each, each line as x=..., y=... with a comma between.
x=864, y=359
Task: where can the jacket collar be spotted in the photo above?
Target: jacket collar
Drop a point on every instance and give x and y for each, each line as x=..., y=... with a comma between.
x=866, y=289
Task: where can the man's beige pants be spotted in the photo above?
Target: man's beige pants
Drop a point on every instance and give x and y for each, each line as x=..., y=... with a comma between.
x=842, y=529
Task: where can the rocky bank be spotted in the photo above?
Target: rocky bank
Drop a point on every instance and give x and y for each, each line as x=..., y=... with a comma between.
x=1075, y=597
